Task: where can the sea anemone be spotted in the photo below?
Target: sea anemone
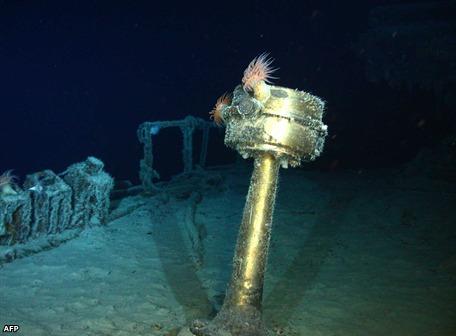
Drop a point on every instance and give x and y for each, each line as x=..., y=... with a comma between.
x=259, y=69
x=216, y=113
x=6, y=183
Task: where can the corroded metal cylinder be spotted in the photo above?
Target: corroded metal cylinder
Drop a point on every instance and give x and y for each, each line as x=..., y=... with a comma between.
x=275, y=126
x=284, y=122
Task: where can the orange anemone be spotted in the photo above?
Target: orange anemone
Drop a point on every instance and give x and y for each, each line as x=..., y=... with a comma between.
x=216, y=113
x=259, y=69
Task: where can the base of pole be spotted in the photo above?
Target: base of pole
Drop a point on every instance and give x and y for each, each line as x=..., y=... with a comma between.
x=232, y=322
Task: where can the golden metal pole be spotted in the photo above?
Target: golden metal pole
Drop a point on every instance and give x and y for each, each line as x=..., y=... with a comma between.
x=276, y=126
x=250, y=259
x=241, y=310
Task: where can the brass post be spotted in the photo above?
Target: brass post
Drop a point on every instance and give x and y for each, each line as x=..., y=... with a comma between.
x=241, y=310
x=250, y=259
x=276, y=126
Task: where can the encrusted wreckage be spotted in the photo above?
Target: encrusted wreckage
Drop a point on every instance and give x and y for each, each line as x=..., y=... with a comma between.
x=51, y=203
x=188, y=125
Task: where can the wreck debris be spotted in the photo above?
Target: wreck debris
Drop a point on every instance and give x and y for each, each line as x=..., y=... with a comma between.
x=91, y=189
x=188, y=125
x=52, y=204
x=15, y=217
